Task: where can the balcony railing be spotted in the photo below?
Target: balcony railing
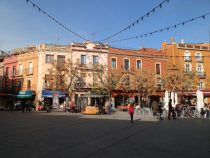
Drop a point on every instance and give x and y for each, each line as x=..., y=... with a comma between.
x=94, y=67
x=201, y=74
x=13, y=74
x=30, y=71
x=199, y=59
x=20, y=72
x=187, y=59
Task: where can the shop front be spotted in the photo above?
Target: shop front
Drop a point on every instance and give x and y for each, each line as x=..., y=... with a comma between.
x=54, y=98
x=27, y=95
x=24, y=98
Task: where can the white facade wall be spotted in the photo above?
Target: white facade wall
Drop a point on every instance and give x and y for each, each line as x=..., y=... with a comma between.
x=43, y=67
x=90, y=50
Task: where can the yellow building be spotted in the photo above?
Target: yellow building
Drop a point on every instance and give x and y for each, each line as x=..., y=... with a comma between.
x=190, y=57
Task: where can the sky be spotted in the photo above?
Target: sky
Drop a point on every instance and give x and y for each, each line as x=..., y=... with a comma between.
x=23, y=25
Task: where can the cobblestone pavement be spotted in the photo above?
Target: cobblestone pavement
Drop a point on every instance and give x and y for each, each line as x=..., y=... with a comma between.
x=64, y=135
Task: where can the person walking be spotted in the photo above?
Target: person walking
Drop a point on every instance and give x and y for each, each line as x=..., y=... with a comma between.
x=131, y=111
x=171, y=110
x=160, y=111
x=154, y=108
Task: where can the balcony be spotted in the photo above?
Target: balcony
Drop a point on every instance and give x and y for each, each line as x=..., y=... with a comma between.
x=13, y=74
x=20, y=72
x=199, y=59
x=187, y=59
x=30, y=71
x=95, y=67
x=201, y=74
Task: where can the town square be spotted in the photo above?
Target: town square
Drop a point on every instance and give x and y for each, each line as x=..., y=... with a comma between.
x=114, y=78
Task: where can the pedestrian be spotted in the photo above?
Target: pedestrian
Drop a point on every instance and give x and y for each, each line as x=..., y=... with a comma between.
x=202, y=113
x=110, y=108
x=72, y=107
x=131, y=111
x=160, y=111
x=23, y=106
x=154, y=107
x=171, y=110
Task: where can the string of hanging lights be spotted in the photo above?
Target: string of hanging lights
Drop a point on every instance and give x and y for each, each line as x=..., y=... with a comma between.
x=152, y=11
x=54, y=20
x=161, y=30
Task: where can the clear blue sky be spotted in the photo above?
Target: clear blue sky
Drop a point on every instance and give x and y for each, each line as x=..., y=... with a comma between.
x=21, y=25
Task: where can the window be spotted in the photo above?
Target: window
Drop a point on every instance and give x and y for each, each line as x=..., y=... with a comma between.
x=95, y=59
x=126, y=64
x=187, y=57
x=157, y=68
x=95, y=80
x=20, y=71
x=49, y=81
x=61, y=59
x=83, y=59
x=28, y=84
x=200, y=71
x=199, y=57
x=59, y=80
x=187, y=67
x=83, y=75
x=13, y=84
x=30, y=68
x=138, y=64
x=113, y=63
x=7, y=71
x=19, y=84
x=14, y=70
x=199, y=68
x=49, y=58
x=201, y=85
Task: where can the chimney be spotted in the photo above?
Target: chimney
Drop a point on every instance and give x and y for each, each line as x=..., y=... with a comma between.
x=164, y=44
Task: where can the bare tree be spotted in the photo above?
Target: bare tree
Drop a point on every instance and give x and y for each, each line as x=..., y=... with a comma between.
x=180, y=81
x=108, y=80
x=62, y=75
x=144, y=83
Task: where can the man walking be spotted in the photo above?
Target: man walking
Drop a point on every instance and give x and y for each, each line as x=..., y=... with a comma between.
x=171, y=110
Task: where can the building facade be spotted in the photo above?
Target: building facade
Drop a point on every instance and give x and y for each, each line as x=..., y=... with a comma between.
x=90, y=60
x=132, y=68
x=190, y=58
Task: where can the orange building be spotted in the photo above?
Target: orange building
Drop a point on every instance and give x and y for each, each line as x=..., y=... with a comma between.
x=26, y=68
x=126, y=62
x=190, y=57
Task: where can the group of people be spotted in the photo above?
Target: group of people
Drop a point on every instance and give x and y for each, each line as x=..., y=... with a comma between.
x=158, y=110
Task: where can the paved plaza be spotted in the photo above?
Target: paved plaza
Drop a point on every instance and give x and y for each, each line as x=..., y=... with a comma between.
x=64, y=135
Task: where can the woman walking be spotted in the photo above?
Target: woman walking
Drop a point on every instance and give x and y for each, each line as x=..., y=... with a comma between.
x=131, y=111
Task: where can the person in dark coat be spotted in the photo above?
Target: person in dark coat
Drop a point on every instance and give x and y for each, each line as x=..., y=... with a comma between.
x=160, y=111
x=23, y=106
x=171, y=110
